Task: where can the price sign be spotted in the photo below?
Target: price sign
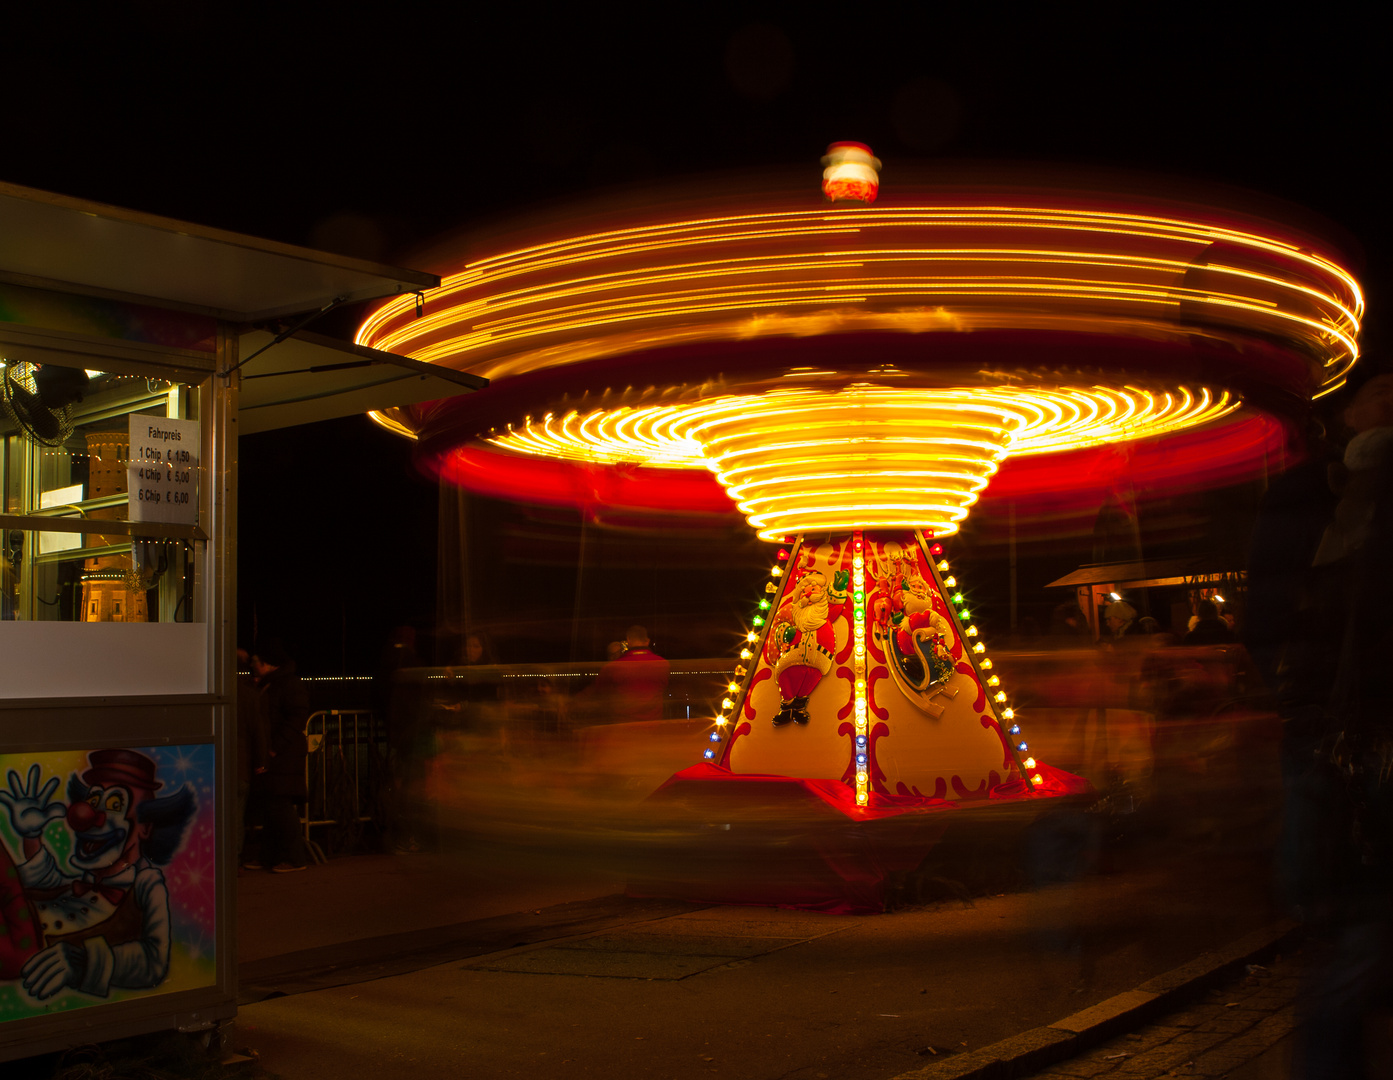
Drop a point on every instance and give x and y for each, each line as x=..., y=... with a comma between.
x=162, y=474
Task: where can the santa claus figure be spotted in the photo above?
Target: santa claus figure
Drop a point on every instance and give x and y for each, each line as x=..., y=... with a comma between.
x=917, y=636
x=802, y=640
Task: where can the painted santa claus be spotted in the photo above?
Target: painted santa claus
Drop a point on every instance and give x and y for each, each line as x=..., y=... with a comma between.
x=802, y=640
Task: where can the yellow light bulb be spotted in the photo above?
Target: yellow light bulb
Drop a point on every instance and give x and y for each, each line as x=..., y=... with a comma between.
x=1001, y=696
x=745, y=654
x=751, y=636
x=971, y=631
x=1037, y=779
x=721, y=721
x=986, y=664
x=994, y=680
x=1009, y=714
x=727, y=703
x=776, y=570
x=943, y=567
x=734, y=688
x=1029, y=763
x=951, y=582
x=979, y=648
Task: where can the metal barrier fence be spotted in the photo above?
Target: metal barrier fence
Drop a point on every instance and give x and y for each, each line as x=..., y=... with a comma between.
x=345, y=775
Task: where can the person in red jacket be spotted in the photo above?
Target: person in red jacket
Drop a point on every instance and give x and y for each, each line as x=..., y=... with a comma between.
x=636, y=683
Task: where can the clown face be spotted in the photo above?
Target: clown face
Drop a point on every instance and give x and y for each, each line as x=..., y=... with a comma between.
x=104, y=828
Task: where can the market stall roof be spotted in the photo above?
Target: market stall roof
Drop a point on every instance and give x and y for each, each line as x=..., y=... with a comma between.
x=310, y=377
x=72, y=245
x=1143, y=575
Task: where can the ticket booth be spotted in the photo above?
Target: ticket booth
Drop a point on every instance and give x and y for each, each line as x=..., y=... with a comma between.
x=126, y=341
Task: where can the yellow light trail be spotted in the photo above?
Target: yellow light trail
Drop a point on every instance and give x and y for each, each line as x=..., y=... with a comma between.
x=723, y=277
x=798, y=460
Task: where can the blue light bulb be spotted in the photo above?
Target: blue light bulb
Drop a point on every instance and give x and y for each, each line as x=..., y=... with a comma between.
x=860, y=759
x=1022, y=747
x=860, y=740
x=715, y=736
x=709, y=754
x=1015, y=729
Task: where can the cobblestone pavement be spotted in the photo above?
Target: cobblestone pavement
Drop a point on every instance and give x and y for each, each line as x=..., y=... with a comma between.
x=1227, y=1028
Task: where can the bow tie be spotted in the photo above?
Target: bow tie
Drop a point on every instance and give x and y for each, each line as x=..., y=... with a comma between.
x=109, y=893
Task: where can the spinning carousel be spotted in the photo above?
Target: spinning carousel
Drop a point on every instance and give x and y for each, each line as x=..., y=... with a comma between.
x=852, y=372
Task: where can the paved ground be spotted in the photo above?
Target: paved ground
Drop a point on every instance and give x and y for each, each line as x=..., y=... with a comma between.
x=749, y=992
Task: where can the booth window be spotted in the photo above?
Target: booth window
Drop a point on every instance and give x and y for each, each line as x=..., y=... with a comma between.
x=65, y=456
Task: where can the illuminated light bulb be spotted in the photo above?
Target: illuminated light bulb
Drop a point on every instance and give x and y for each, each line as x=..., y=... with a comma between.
x=994, y=680
x=745, y=654
x=860, y=740
x=715, y=736
x=1001, y=696
x=936, y=550
x=709, y=753
x=950, y=582
x=861, y=797
x=751, y=636
x=769, y=586
x=943, y=567
x=851, y=173
x=1022, y=747
x=971, y=631
x=860, y=686
x=1218, y=599
x=726, y=703
x=1015, y=729
x=1008, y=714
x=1037, y=779
x=721, y=721
x=758, y=620
x=986, y=664
x=776, y=571
x=734, y=688
x=860, y=649
x=764, y=605
x=979, y=648
x=858, y=563
x=964, y=614
x=741, y=671
x=783, y=554
x=1029, y=763
x=957, y=598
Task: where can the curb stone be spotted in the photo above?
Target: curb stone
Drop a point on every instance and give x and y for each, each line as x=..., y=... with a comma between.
x=1038, y=1048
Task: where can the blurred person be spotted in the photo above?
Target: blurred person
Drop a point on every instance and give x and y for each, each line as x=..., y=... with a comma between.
x=410, y=740
x=1120, y=618
x=251, y=750
x=1067, y=621
x=1337, y=845
x=281, y=788
x=1208, y=627
x=614, y=650
x=634, y=686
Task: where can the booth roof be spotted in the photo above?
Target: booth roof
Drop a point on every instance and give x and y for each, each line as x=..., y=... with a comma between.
x=72, y=245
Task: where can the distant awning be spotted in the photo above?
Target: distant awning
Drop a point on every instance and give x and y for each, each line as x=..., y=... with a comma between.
x=1195, y=570
x=311, y=377
x=72, y=245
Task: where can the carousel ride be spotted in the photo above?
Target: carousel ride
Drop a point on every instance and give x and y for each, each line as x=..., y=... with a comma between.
x=852, y=373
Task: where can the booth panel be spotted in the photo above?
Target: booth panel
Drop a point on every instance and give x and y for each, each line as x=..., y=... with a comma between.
x=71, y=659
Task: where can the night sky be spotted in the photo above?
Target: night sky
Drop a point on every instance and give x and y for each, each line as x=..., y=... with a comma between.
x=370, y=131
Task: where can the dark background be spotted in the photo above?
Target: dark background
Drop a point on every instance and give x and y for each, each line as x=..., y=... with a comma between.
x=369, y=131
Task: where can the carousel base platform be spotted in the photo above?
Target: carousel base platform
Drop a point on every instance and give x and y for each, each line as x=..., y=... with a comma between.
x=779, y=841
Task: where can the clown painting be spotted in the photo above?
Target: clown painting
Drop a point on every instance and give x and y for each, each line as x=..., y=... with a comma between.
x=85, y=900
